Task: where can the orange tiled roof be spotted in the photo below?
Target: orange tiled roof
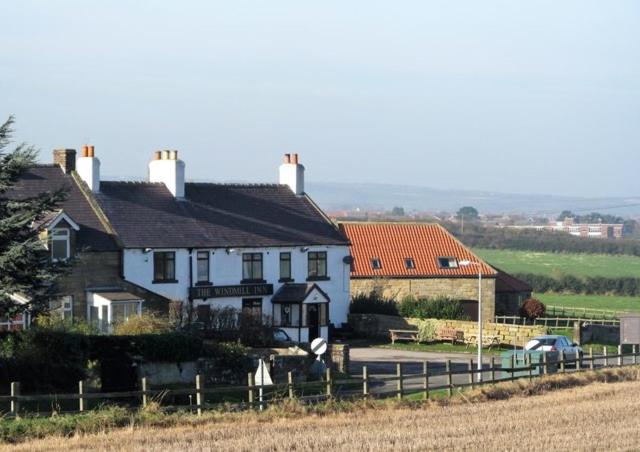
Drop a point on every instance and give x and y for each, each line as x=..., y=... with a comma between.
x=392, y=243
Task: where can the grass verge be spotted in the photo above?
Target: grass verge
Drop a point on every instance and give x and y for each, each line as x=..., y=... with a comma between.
x=441, y=347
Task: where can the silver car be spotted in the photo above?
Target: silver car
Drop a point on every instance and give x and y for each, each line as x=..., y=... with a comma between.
x=555, y=343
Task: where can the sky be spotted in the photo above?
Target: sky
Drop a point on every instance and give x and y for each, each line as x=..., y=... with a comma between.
x=509, y=96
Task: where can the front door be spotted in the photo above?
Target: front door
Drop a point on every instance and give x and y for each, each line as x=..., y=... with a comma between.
x=313, y=320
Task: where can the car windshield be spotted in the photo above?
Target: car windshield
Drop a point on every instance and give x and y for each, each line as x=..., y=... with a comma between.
x=541, y=342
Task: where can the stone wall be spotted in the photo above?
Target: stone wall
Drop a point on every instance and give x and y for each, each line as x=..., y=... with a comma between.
x=338, y=357
x=458, y=288
x=92, y=269
x=376, y=325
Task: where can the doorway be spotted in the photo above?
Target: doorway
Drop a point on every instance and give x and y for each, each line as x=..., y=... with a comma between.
x=313, y=321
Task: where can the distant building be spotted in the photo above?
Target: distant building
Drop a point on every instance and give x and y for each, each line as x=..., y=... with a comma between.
x=586, y=230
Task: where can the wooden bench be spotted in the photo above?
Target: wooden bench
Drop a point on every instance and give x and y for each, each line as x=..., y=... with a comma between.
x=406, y=335
x=450, y=334
x=487, y=341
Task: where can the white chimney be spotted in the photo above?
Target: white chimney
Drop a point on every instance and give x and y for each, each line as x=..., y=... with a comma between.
x=168, y=169
x=88, y=168
x=292, y=174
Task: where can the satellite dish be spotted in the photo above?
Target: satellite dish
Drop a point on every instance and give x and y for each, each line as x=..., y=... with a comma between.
x=319, y=346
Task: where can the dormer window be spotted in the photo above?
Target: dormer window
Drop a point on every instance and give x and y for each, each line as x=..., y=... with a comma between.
x=409, y=263
x=59, y=244
x=376, y=264
x=447, y=262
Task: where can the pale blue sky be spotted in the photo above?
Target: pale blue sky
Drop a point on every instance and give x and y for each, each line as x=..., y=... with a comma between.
x=512, y=96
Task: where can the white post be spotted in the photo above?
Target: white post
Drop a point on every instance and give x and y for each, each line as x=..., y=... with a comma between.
x=479, y=323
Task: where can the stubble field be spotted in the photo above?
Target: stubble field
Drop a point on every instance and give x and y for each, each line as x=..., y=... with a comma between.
x=600, y=416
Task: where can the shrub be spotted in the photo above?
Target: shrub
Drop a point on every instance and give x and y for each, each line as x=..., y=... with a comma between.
x=441, y=307
x=147, y=323
x=373, y=303
x=532, y=309
x=427, y=329
x=48, y=322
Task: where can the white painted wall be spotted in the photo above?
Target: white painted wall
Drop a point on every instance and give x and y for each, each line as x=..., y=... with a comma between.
x=292, y=174
x=170, y=171
x=88, y=169
x=226, y=270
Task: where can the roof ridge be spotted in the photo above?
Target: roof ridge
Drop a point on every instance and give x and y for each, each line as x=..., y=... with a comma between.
x=238, y=184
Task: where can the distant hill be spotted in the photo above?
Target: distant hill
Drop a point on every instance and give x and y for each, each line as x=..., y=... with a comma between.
x=349, y=196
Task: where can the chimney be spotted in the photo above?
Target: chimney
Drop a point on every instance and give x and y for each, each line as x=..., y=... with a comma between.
x=167, y=168
x=89, y=168
x=66, y=158
x=292, y=173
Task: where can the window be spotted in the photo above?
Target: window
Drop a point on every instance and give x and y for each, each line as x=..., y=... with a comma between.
x=285, y=315
x=285, y=266
x=409, y=263
x=252, y=307
x=123, y=311
x=447, y=262
x=376, y=264
x=317, y=264
x=62, y=307
x=203, y=266
x=60, y=244
x=252, y=266
x=164, y=266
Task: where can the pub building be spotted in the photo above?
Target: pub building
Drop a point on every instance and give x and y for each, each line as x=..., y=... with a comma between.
x=265, y=249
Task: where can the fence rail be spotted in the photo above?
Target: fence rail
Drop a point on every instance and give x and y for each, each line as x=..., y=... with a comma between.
x=557, y=322
x=586, y=313
x=425, y=382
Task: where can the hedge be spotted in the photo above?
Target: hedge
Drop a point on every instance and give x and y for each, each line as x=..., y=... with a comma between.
x=588, y=285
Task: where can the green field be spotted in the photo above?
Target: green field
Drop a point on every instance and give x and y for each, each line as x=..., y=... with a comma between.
x=556, y=264
x=611, y=303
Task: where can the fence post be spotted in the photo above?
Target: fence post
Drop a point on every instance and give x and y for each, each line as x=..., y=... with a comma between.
x=290, y=384
x=328, y=382
x=529, y=364
x=15, y=402
x=250, y=384
x=471, y=373
x=634, y=350
x=545, y=366
x=513, y=365
x=144, y=391
x=80, y=394
x=399, y=375
x=562, y=360
x=425, y=371
x=620, y=360
x=199, y=395
x=365, y=382
x=493, y=369
x=449, y=378
x=606, y=357
x=578, y=360
x=591, y=365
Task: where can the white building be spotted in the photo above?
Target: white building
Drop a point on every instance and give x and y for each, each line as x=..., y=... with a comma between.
x=266, y=249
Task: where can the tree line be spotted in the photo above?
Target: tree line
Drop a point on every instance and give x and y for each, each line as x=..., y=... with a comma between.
x=597, y=285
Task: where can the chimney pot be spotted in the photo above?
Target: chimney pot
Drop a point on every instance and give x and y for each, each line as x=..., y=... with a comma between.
x=287, y=158
x=294, y=160
x=91, y=151
x=165, y=155
x=157, y=155
x=85, y=150
x=173, y=155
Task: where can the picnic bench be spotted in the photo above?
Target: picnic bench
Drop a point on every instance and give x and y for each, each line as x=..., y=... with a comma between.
x=487, y=341
x=450, y=334
x=406, y=335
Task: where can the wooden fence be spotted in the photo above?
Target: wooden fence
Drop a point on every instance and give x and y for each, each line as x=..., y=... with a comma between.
x=425, y=383
x=556, y=322
x=585, y=313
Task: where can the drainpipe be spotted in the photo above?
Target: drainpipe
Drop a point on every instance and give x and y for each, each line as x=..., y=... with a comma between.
x=190, y=300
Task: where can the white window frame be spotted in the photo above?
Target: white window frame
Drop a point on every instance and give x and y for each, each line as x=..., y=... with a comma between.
x=66, y=237
x=66, y=306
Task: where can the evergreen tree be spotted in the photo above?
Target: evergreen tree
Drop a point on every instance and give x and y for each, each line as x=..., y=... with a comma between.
x=25, y=265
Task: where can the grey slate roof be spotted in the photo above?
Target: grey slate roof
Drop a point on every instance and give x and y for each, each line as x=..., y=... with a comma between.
x=214, y=215
x=41, y=178
x=295, y=292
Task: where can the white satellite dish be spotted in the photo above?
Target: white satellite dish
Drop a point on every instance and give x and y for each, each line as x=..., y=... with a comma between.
x=319, y=346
